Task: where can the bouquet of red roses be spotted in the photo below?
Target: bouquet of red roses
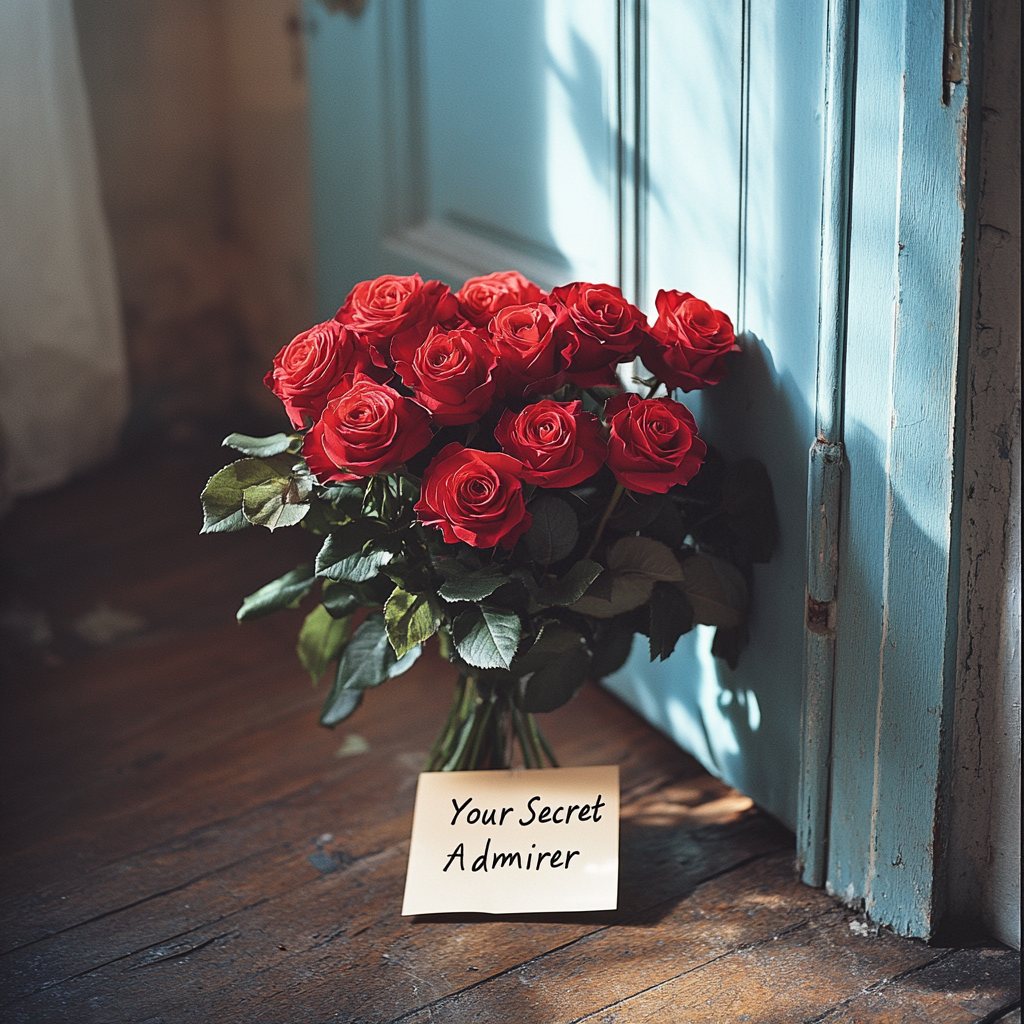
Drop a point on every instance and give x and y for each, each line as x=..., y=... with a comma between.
x=477, y=472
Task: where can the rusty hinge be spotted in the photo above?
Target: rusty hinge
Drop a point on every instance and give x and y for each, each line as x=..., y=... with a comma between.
x=952, y=48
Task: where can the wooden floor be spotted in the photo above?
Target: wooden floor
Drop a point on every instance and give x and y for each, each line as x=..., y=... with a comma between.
x=182, y=842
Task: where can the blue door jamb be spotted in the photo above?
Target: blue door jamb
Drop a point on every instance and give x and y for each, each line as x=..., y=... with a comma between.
x=824, y=484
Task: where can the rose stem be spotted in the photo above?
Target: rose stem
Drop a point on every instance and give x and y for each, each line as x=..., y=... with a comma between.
x=444, y=737
x=467, y=725
x=547, y=746
x=518, y=723
x=531, y=731
x=480, y=728
x=616, y=494
x=653, y=391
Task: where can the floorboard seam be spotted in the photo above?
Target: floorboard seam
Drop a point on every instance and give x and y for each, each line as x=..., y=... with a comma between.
x=181, y=839
x=135, y=952
x=699, y=967
x=131, y=906
x=579, y=938
x=877, y=986
x=996, y=1015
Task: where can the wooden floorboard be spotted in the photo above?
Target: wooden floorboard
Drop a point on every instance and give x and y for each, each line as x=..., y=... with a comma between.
x=182, y=842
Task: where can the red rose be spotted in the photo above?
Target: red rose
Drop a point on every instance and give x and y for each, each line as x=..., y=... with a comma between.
x=653, y=443
x=390, y=306
x=450, y=374
x=366, y=428
x=310, y=365
x=688, y=343
x=529, y=353
x=481, y=297
x=604, y=329
x=558, y=445
x=473, y=496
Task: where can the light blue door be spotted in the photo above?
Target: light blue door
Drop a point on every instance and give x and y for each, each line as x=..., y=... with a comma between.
x=683, y=144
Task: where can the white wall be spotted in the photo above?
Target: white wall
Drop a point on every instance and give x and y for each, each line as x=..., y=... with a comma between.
x=199, y=109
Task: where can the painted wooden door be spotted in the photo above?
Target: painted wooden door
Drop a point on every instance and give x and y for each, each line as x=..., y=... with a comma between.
x=689, y=144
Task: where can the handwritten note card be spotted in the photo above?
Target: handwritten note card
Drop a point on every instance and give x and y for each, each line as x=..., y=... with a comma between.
x=514, y=842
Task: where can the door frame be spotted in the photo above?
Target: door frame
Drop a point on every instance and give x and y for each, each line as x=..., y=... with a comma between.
x=885, y=480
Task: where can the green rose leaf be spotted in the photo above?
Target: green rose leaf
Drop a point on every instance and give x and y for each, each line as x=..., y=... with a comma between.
x=376, y=591
x=729, y=641
x=339, y=705
x=285, y=592
x=405, y=662
x=715, y=589
x=671, y=617
x=408, y=490
x=346, y=499
x=487, y=636
x=554, y=530
x=635, y=511
x=645, y=557
x=417, y=579
x=341, y=599
x=554, y=641
x=667, y=526
x=557, y=664
x=611, y=649
x=366, y=662
x=321, y=639
x=375, y=497
x=473, y=585
x=571, y=587
x=411, y=619
x=625, y=591
x=261, y=447
x=222, y=495
x=369, y=656
x=750, y=507
x=278, y=502
x=349, y=553
x=556, y=684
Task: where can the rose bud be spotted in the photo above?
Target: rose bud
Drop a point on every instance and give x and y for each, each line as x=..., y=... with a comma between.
x=558, y=445
x=310, y=365
x=653, y=443
x=604, y=327
x=530, y=357
x=390, y=306
x=449, y=373
x=365, y=428
x=688, y=343
x=475, y=497
x=481, y=297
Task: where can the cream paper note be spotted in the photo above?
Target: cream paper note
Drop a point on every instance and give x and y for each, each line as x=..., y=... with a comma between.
x=514, y=842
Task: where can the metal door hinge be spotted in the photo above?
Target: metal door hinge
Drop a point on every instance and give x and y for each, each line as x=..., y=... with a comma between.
x=952, y=47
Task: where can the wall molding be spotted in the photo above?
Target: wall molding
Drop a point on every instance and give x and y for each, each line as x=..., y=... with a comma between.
x=460, y=254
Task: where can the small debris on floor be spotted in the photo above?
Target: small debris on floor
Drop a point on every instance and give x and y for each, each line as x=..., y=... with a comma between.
x=863, y=929
x=328, y=863
x=352, y=744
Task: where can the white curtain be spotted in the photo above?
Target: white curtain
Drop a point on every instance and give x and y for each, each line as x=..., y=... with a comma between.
x=63, y=379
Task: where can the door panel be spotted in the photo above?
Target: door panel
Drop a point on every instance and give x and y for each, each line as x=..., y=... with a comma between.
x=467, y=138
x=734, y=214
x=694, y=75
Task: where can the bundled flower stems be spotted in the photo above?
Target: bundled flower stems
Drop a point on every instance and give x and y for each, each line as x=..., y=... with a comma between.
x=473, y=470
